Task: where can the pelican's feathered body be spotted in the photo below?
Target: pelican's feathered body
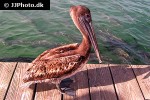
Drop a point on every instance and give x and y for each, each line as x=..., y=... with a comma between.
x=62, y=62
x=55, y=63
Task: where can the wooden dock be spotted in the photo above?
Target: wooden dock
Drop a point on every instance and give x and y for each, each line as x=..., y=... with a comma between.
x=93, y=82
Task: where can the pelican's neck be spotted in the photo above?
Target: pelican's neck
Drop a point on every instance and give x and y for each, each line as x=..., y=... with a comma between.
x=85, y=45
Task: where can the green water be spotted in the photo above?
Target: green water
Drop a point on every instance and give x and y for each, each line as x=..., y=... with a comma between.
x=122, y=28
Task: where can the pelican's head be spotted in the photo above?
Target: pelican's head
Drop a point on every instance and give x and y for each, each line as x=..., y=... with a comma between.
x=81, y=17
x=77, y=13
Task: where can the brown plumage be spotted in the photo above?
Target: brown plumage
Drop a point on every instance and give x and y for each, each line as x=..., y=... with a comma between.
x=54, y=63
x=62, y=62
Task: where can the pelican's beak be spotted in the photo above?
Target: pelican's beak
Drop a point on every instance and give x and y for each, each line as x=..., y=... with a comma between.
x=89, y=29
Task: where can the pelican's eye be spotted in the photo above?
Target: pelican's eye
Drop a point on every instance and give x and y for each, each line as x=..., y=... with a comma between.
x=88, y=17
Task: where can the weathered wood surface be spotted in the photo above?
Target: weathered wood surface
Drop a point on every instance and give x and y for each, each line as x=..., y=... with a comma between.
x=47, y=91
x=93, y=82
x=125, y=83
x=6, y=72
x=81, y=86
x=16, y=91
x=100, y=81
x=142, y=73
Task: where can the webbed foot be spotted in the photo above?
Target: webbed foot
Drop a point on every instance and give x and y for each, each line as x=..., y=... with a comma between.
x=65, y=87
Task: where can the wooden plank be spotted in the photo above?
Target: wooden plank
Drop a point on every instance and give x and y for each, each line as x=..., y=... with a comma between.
x=47, y=91
x=81, y=86
x=142, y=73
x=126, y=85
x=101, y=84
x=16, y=92
x=68, y=97
x=6, y=72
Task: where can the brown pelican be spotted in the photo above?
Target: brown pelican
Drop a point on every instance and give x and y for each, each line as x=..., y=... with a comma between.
x=62, y=62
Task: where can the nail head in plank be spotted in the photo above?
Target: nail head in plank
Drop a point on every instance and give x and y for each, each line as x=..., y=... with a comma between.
x=101, y=84
x=126, y=85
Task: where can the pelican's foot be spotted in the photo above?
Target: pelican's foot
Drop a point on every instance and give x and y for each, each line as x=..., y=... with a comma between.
x=59, y=88
x=66, y=83
x=65, y=87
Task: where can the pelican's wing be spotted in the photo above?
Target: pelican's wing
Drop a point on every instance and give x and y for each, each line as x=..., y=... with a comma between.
x=51, y=52
x=58, y=67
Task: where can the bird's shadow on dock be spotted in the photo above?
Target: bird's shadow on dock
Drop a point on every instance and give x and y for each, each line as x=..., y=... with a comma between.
x=40, y=87
x=104, y=76
x=101, y=76
x=95, y=95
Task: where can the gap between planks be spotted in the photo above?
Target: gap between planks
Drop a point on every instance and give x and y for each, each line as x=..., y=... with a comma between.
x=94, y=83
x=6, y=73
x=142, y=73
x=126, y=85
